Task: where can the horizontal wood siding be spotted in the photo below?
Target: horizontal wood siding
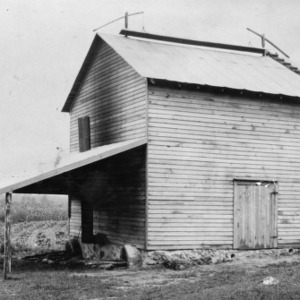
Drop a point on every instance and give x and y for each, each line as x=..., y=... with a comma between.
x=112, y=197
x=198, y=143
x=75, y=217
x=113, y=95
x=119, y=209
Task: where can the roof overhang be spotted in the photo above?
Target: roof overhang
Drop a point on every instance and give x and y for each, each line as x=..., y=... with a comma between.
x=77, y=83
x=57, y=177
x=201, y=63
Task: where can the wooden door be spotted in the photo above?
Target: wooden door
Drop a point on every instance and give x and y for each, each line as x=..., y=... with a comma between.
x=255, y=215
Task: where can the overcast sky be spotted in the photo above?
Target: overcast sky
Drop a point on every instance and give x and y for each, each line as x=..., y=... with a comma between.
x=43, y=44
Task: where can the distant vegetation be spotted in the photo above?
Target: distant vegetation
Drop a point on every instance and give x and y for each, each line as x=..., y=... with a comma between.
x=29, y=207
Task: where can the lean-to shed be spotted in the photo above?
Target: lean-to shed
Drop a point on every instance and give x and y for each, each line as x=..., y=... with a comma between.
x=205, y=139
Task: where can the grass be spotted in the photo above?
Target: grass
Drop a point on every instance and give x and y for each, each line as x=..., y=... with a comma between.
x=32, y=281
x=238, y=280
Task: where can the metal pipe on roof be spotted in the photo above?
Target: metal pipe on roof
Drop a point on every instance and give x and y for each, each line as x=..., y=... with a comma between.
x=126, y=20
x=267, y=40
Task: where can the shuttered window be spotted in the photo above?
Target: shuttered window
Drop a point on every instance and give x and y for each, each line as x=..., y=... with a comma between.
x=84, y=134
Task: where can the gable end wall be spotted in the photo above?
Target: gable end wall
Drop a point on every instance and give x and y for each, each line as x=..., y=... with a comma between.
x=113, y=95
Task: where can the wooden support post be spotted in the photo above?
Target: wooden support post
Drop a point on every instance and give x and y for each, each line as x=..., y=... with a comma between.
x=69, y=215
x=7, y=247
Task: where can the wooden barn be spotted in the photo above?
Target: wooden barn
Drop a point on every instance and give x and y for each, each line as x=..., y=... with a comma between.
x=180, y=144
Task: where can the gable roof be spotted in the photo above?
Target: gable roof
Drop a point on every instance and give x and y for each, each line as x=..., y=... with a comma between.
x=197, y=65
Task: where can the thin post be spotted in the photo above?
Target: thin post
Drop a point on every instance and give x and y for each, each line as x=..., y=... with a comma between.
x=7, y=246
x=126, y=20
x=268, y=41
x=263, y=43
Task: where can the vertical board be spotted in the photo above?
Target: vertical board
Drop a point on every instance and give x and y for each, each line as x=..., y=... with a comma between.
x=255, y=215
x=274, y=232
x=113, y=95
x=84, y=135
x=198, y=143
x=237, y=212
x=80, y=134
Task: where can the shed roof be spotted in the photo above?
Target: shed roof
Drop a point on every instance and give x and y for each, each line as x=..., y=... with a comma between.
x=69, y=163
x=198, y=65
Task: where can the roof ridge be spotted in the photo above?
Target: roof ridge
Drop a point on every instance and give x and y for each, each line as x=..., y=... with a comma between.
x=283, y=62
x=189, y=42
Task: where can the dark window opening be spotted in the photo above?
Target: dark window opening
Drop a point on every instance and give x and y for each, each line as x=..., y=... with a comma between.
x=84, y=134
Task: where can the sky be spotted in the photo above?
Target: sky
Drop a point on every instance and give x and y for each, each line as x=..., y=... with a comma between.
x=43, y=44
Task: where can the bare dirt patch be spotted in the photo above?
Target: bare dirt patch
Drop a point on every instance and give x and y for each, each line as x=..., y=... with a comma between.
x=239, y=278
x=37, y=235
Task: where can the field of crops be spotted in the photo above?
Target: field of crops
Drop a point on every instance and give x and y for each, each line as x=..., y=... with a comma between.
x=26, y=208
x=39, y=222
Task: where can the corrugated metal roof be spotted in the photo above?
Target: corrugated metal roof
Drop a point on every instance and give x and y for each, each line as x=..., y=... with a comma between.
x=68, y=163
x=203, y=66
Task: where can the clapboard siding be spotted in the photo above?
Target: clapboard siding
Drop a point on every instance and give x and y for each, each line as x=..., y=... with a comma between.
x=113, y=194
x=119, y=211
x=197, y=144
x=113, y=95
x=75, y=218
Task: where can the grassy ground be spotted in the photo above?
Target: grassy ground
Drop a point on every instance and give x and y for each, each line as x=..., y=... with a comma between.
x=240, y=279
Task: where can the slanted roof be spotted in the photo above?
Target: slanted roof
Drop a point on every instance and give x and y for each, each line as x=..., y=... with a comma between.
x=69, y=163
x=197, y=65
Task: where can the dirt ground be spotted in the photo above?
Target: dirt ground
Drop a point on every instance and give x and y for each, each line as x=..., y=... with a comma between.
x=37, y=235
x=242, y=278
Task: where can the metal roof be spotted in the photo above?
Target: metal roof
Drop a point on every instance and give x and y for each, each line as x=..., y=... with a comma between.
x=189, y=64
x=69, y=163
x=198, y=65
